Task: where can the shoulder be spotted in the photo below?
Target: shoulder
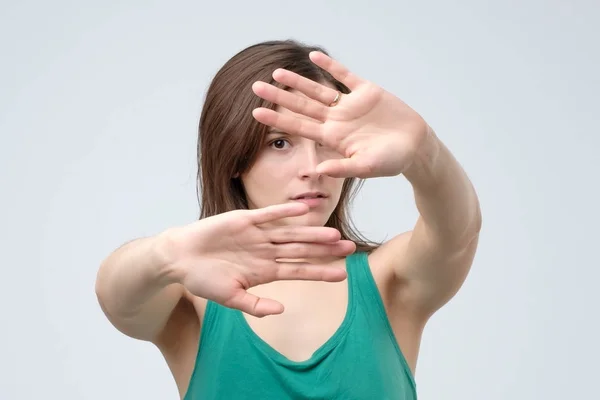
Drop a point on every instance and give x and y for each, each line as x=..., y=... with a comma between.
x=418, y=275
x=387, y=254
x=406, y=323
x=382, y=262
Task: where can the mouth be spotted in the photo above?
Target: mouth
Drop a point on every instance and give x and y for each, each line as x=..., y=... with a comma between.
x=310, y=195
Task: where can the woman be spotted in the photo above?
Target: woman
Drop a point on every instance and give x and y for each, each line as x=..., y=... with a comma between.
x=284, y=133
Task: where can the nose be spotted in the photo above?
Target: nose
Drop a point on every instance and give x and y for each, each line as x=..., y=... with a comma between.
x=309, y=160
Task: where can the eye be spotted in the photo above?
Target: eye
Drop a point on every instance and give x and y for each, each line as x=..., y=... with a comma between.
x=278, y=143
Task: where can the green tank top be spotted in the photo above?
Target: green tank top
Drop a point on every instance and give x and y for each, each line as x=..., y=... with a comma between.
x=361, y=361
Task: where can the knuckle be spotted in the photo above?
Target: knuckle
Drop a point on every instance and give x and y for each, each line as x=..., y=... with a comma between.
x=270, y=213
x=301, y=250
x=298, y=271
x=287, y=233
x=265, y=250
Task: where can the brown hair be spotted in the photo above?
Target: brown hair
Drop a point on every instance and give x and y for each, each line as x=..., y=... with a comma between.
x=229, y=138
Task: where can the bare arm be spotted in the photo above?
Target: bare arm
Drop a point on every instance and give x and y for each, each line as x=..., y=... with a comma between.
x=136, y=290
x=433, y=260
x=447, y=203
x=216, y=258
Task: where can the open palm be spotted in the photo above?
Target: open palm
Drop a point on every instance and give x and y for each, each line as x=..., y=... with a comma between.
x=376, y=132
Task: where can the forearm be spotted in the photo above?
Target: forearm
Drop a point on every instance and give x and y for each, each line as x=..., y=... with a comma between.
x=133, y=282
x=444, y=196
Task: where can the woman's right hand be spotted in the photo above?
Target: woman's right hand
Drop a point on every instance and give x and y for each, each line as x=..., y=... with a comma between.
x=220, y=257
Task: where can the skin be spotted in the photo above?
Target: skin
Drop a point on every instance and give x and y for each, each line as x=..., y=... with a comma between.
x=369, y=133
x=285, y=168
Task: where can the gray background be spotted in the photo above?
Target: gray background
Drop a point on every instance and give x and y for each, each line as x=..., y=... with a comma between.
x=99, y=104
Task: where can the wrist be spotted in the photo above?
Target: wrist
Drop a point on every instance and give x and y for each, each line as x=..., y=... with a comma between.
x=162, y=250
x=424, y=169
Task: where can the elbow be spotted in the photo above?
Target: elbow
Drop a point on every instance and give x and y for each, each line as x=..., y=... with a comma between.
x=477, y=221
x=469, y=233
x=100, y=289
x=473, y=228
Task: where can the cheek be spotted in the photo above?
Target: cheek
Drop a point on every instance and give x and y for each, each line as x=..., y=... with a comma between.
x=269, y=174
x=264, y=181
x=337, y=185
x=271, y=170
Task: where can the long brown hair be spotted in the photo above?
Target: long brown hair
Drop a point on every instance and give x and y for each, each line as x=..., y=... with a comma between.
x=229, y=138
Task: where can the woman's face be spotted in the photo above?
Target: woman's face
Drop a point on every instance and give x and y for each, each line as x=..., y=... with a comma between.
x=284, y=171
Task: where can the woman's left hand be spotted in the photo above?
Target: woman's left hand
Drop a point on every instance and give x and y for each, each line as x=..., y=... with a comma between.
x=375, y=132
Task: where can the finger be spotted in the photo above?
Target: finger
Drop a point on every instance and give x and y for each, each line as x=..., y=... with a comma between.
x=292, y=101
x=342, y=168
x=275, y=212
x=340, y=248
x=308, y=87
x=336, y=69
x=309, y=272
x=254, y=305
x=289, y=124
x=307, y=234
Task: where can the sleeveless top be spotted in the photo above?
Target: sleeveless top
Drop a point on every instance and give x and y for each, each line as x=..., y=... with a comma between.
x=361, y=361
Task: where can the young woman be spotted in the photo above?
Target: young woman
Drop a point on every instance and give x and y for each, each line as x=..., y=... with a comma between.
x=272, y=294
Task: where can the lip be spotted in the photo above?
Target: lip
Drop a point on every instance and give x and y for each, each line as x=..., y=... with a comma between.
x=311, y=199
x=312, y=202
x=310, y=195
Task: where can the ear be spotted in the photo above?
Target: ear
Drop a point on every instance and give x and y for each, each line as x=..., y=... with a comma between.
x=236, y=175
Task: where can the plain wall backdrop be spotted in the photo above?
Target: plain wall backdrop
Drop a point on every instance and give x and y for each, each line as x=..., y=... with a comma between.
x=99, y=106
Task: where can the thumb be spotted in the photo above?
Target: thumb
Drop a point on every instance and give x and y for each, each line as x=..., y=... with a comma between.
x=340, y=168
x=254, y=305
